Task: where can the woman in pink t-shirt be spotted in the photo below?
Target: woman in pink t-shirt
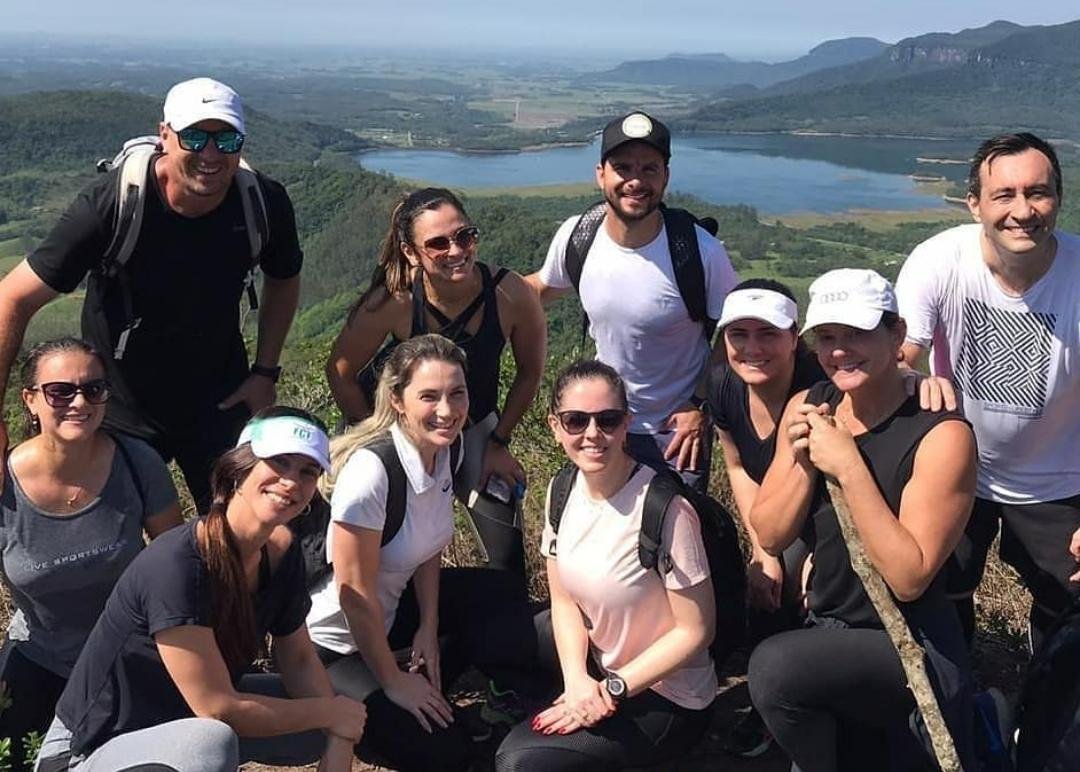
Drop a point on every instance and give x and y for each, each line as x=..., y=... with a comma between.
x=631, y=644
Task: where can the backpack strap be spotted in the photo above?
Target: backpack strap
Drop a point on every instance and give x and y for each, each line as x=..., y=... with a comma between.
x=456, y=456
x=134, y=162
x=257, y=222
x=397, y=488
x=662, y=489
x=125, y=456
x=558, y=495
x=686, y=260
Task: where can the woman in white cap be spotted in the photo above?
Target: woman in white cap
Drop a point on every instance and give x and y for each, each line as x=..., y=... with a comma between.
x=160, y=683
x=766, y=363
x=393, y=626
x=834, y=694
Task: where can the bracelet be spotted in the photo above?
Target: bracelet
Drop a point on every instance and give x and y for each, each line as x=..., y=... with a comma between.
x=502, y=442
x=273, y=373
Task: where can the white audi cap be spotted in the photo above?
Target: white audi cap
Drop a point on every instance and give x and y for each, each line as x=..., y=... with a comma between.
x=856, y=297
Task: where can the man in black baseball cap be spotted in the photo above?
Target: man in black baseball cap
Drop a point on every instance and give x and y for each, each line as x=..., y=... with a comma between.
x=642, y=322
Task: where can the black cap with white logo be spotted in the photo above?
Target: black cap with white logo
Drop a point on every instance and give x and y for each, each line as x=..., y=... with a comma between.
x=636, y=127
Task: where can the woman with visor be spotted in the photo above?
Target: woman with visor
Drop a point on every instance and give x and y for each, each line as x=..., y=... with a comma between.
x=631, y=645
x=834, y=694
x=76, y=504
x=765, y=362
x=165, y=680
x=428, y=280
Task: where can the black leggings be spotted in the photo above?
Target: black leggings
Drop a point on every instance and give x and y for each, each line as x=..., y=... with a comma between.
x=836, y=699
x=484, y=619
x=31, y=692
x=646, y=729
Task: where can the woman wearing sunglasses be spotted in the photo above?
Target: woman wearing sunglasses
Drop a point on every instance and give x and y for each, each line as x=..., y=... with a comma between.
x=393, y=627
x=76, y=504
x=834, y=694
x=165, y=680
x=632, y=646
x=765, y=364
x=429, y=280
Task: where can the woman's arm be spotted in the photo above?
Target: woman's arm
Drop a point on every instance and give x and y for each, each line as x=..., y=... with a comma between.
x=354, y=347
x=909, y=550
x=356, y=571
x=160, y=522
x=782, y=503
x=425, y=651
x=192, y=659
x=766, y=575
x=528, y=342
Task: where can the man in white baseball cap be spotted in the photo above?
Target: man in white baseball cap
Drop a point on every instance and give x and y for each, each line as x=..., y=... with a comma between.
x=167, y=315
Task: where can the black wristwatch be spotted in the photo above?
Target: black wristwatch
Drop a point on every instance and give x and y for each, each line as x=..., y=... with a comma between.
x=273, y=373
x=498, y=439
x=615, y=686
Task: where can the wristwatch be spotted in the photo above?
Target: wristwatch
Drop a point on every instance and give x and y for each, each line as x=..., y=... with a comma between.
x=273, y=373
x=502, y=442
x=615, y=686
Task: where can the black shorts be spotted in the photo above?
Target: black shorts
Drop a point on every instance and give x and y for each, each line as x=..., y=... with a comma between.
x=1034, y=540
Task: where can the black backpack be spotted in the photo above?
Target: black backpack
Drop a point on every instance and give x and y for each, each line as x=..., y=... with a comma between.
x=311, y=528
x=682, y=244
x=1050, y=702
x=727, y=567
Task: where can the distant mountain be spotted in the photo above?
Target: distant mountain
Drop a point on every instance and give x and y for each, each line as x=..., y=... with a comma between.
x=970, y=83
x=719, y=71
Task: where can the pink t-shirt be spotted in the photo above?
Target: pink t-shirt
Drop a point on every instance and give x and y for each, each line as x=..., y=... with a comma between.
x=626, y=606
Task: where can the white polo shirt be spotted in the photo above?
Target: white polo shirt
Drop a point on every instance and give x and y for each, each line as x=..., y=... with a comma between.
x=359, y=499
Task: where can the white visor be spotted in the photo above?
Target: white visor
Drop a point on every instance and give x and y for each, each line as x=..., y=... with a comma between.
x=281, y=435
x=766, y=305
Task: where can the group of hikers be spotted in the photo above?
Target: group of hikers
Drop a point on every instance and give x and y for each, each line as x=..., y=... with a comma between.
x=154, y=657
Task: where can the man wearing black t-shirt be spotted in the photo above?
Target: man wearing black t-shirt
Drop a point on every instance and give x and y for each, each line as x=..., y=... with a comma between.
x=183, y=382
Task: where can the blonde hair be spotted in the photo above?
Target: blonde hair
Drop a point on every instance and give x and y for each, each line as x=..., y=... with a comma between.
x=396, y=375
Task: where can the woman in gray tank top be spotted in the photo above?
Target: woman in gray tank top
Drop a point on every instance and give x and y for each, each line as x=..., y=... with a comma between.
x=76, y=503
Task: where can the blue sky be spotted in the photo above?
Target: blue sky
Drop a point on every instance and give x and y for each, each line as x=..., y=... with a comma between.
x=625, y=30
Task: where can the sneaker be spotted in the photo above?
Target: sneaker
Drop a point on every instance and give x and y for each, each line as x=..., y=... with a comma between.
x=993, y=730
x=749, y=738
x=503, y=707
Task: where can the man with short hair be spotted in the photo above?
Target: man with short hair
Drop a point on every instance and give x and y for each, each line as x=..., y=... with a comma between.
x=629, y=290
x=997, y=303
x=168, y=324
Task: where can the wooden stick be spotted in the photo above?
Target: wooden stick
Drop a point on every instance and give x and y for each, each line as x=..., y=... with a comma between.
x=910, y=652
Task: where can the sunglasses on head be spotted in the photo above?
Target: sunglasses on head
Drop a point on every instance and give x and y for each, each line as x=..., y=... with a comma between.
x=577, y=421
x=193, y=140
x=62, y=393
x=465, y=238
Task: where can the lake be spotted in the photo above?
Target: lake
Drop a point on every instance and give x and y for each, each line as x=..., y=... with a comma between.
x=776, y=173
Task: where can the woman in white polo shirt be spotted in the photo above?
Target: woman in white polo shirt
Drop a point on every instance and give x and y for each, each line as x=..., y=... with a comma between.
x=631, y=644
x=386, y=598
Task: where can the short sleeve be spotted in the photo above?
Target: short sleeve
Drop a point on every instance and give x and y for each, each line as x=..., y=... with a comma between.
x=156, y=485
x=547, y=538
x=288, y=580
x=283, y=257
x=918, y=292
x=682, y=535
x=553, y=272
x=168, y=582
x=78, y=240
x=720, y=276
x=359, y=496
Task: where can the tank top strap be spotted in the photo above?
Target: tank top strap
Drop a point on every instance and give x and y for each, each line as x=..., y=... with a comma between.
x=419, y=323
x=824, y=391
x=454, y=329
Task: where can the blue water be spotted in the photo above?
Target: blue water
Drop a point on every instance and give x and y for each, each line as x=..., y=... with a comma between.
x=777, y=174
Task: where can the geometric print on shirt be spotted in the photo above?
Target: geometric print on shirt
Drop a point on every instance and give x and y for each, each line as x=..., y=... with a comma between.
x=1005, y=358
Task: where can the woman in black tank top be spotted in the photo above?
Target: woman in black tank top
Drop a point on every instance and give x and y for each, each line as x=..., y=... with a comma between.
x=834, y=694
x=427, y=280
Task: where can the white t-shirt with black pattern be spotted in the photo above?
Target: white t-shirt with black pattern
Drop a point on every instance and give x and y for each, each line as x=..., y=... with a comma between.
x=1016, y=360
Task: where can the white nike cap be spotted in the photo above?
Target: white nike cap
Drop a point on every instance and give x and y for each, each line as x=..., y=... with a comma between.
x=203, y=99
x=766, y=305
x=857, y=297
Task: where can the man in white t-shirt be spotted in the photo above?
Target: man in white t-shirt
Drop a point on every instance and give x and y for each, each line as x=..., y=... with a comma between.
x=637, y=316
x=997, y=303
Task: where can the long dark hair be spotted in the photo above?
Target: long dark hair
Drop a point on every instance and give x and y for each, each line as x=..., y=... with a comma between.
x=392, y=270
x=232, y=611
x=28, y=373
